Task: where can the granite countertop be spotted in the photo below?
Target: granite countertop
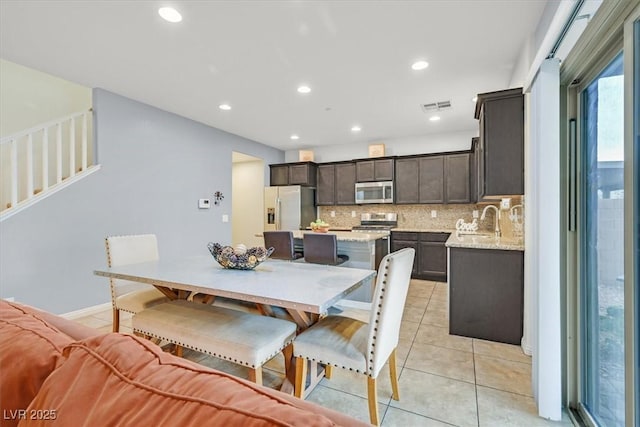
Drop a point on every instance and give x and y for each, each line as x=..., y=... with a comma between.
x=423, y=230
x=334, y=228
x=346, y=236
x=485, y=241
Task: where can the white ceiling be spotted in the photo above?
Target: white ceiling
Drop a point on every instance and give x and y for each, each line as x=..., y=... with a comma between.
x=355, y=55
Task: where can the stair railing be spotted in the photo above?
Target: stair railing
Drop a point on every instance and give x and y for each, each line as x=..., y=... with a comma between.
x=22, y=156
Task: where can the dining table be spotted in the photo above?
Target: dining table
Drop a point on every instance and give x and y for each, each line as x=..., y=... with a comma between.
x=304, y=290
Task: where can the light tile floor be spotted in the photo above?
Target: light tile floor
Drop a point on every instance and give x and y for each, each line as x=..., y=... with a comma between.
x=444, y=379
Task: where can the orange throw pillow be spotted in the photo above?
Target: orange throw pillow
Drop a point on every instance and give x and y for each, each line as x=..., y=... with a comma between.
x=122, y=380
x=30, y=350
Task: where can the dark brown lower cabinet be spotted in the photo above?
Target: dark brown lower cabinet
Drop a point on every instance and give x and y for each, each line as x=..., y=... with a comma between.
x=382, y=249
x=401, y=240
x=430, y=262
x=486, y=294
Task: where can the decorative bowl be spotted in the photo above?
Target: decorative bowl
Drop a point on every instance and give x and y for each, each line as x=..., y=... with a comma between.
x=320, y=229
x=228, y=257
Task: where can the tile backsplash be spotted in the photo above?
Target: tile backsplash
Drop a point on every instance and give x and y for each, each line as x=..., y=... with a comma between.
x=419, y=216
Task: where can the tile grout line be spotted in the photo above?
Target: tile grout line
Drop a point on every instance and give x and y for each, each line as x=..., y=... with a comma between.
x=475, y=381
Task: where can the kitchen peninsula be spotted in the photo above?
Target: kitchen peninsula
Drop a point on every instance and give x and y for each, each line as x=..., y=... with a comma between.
x=486, y=287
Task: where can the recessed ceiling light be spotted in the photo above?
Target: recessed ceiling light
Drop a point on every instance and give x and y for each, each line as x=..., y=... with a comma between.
x=419, y=65
x=294, y=137
x=434, y=118
x=304, y=89
x=474, y=99
x=225, y=107
x=356, y=129
x=170, y=14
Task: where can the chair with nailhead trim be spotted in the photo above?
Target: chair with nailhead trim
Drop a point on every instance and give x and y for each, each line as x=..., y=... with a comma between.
x=125, y=295
x=359, y=346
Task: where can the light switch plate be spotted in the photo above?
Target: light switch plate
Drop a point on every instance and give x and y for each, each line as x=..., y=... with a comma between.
x=353, y=214
x=333, y=214
x=225, y=218
x=505, y=203
x=476, y=213
x=204, y=204
x=434, y=214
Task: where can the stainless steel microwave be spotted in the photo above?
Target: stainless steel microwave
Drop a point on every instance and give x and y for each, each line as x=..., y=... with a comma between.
x=374, y=192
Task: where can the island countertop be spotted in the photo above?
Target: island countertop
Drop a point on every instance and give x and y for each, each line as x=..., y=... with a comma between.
x=346, y=236
x=484, y=241
x=423, y=230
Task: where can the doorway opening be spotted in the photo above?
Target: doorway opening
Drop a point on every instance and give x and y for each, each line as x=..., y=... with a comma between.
x=247, y=191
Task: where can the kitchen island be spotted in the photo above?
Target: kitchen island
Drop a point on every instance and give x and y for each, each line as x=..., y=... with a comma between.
x=486, y=287
x=365, y=250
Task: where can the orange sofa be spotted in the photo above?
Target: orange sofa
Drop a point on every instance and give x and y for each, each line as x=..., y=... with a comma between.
x=56, y=372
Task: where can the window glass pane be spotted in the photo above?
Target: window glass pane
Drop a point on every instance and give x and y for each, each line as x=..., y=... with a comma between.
x=603, y=247
x=636, y=133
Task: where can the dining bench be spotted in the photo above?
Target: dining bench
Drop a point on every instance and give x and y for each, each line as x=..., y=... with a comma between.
x=243, y=338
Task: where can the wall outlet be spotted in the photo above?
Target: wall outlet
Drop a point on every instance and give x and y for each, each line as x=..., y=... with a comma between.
x=476, y=213
x=434, y=214
x=203, y=204
x=353, y=214
x=225, y=218
x=333, y=214
x=505, y=203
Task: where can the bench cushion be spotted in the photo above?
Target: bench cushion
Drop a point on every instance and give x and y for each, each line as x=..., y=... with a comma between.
x=122, y=380
x=243, y=338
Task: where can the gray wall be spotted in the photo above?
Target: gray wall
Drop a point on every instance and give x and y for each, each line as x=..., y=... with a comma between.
x=155, y=166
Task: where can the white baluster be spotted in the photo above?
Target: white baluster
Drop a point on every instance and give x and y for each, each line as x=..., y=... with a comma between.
x=30, y=166
x=14, y=172
x=84, y=142
x=58, y=152
x=72, y=147
x=45, y=159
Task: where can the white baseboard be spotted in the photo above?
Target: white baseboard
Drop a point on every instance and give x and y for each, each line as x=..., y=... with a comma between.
x=88, y=311
x=526, y=348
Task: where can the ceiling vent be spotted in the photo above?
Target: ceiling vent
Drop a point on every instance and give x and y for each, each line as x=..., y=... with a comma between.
x=436, y=106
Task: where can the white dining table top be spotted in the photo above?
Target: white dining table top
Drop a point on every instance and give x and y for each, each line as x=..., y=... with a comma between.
x=293, y=285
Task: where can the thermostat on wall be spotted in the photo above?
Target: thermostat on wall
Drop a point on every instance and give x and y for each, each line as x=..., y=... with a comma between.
x=203, y=203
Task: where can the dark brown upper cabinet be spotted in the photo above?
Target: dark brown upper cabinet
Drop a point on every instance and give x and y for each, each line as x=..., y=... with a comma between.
x=434, y=179
x=336, y=184
x=374, y=170
x=431, y=182
x=299, y=173
x=345, y=183
x=326, y=189
x=458, y=178
x=501, y=143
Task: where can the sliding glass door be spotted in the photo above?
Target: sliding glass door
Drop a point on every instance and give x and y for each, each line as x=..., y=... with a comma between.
x=602, y=247
x=633, y=224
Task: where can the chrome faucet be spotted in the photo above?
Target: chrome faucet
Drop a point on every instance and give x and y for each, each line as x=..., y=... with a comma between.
x=484, y=213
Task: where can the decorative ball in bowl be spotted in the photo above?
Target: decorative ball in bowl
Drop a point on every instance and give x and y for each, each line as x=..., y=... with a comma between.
x=240, y=257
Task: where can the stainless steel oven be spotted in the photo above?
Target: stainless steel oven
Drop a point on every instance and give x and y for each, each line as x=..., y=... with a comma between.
x=374, y=192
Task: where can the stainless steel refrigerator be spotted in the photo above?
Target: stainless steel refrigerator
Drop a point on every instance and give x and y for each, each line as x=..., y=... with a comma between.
x=288, y=207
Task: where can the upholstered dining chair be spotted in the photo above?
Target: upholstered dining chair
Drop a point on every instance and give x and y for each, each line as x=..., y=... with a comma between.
x=360, y=346
x=125, y=295
x=282, y=243
x=322, y=249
